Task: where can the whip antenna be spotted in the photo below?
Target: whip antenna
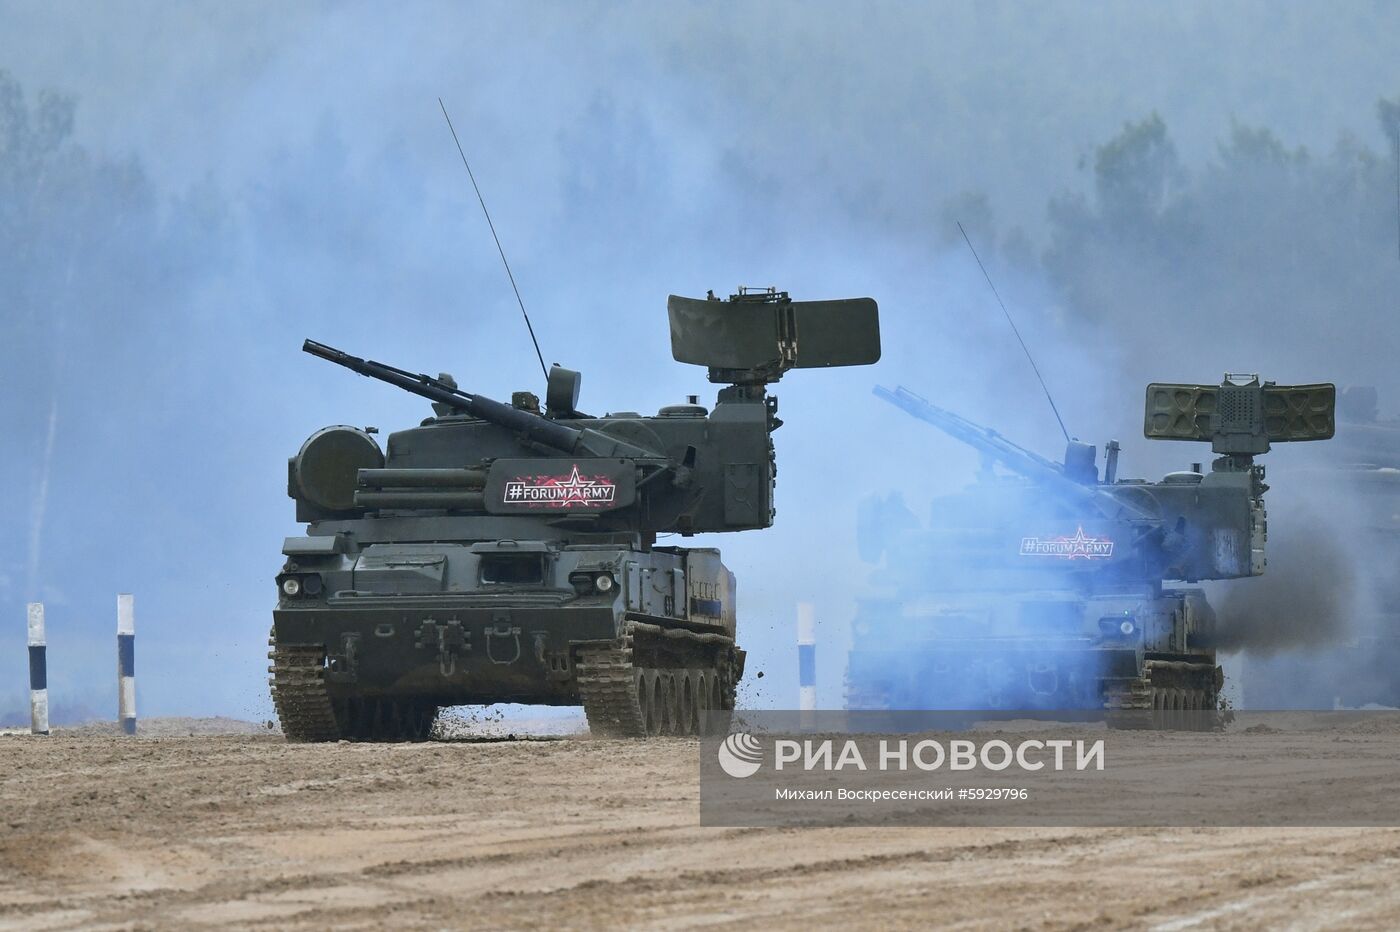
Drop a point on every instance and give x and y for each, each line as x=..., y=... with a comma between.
x=1024, y=348
x=482, y=200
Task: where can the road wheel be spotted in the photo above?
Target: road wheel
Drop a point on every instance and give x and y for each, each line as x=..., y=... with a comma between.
x=685, y=703
x=646, y=682
x=703, y=698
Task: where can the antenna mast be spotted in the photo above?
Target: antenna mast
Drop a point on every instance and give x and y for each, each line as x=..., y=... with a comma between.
x=543, y=369
x=1024, y=348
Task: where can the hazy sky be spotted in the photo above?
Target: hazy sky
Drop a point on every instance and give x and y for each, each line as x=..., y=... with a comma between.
x=627, y=151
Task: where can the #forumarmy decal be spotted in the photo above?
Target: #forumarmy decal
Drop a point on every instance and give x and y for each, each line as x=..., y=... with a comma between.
x=1080, y=546
x=571, y=491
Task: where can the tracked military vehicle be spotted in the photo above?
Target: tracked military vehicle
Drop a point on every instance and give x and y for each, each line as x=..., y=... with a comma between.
x=1049, y=586
x=508, y=552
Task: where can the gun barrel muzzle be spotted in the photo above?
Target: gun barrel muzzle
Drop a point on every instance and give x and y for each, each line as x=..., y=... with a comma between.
x=322, y=350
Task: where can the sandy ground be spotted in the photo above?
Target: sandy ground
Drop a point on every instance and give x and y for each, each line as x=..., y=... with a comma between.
x=243, y=830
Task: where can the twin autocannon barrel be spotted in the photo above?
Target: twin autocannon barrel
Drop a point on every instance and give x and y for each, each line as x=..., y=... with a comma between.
x=989, y=443
x=538, y=429
x=543, y=431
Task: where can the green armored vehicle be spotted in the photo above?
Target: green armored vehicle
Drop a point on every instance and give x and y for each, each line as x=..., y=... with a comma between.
x=1051, y=586
x=507, y=552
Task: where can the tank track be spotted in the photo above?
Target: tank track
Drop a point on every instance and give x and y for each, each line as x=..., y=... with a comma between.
x=299, y=693
x=624, y=698
x=608, y=685
x=308, y=714
x=1171, y=695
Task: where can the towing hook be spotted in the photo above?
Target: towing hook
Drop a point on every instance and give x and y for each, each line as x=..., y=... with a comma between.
x=498, y=631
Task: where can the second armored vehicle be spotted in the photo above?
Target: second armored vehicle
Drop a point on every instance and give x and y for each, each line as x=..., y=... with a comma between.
x=508, y=552
x=1050, y=588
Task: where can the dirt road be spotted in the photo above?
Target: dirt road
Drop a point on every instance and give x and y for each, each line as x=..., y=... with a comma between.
x=245, y=830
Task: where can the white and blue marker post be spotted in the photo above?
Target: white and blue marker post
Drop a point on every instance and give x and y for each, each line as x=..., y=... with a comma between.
x=126, y=662
x=38, y=671
x=806, y=665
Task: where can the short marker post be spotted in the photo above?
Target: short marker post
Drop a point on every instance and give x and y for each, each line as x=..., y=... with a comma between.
x=126, y=662
x=38, y=671
x=806, y=665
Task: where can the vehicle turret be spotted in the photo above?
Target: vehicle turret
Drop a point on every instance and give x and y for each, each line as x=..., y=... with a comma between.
x=1189, y=526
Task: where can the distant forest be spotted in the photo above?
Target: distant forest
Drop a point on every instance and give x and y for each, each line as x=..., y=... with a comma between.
x=1260, y=237
x=1261, y=229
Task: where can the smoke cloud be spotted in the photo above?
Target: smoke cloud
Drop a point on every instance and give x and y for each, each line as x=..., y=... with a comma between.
x=1311, y=598
x=186, y=192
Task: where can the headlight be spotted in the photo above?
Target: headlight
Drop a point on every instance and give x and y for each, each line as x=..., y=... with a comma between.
x=1121, y=625
x=588, y=582
x=291, y=586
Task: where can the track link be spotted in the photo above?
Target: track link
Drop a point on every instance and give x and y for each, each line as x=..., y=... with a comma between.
x=299, y=693
x=609, y=686
x=623, y=699
x=1171, y=695
x=309, y=714
x=1128, y=704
